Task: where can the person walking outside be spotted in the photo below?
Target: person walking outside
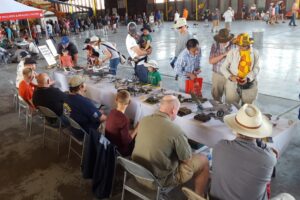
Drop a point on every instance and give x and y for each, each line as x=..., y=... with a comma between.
x=294, y=13
x=228, y=16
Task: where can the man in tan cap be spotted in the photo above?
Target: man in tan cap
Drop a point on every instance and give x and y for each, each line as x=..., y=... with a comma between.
x=162, y=147
x=183, y=37
x=218, y=53
x=242, y=168
x=81, y=109
x=241, y=68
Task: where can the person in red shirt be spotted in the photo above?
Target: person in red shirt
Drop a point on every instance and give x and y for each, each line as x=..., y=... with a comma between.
x=117, y=125
x=26, y=87
x=66, y=59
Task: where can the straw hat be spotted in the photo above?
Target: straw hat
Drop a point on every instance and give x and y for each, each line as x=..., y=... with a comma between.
x=243, y=40
x=223, y=36
x=151, y=63
x=180, y=23
x=250, y=122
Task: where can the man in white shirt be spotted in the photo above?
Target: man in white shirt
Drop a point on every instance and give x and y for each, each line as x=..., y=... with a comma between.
x=39, y=30
x=228, y=16
x=135, y=51
x=33, y=50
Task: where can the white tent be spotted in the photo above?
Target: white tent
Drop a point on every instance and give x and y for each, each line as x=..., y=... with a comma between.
x=13, y=10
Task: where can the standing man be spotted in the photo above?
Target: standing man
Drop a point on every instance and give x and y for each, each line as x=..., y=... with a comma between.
x=242, y=168
x=218, y=53
x=241, y=68
x=135, y=51
x=188, y=64
x=70, y=46
x=182, y=39
x=161, y=146
x=294, y=14
x=176, y=16
x=228, y=16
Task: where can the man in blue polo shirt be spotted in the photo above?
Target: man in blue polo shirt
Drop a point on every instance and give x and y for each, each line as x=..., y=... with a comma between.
x=81, y=109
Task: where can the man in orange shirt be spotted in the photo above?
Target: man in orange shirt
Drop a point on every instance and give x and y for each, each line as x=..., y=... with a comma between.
x=185, y=13
x=26, y=87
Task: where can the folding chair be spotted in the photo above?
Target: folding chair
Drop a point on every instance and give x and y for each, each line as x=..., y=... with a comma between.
x=191, y=195
x=15, y=94
x=47, y=113
x=142, y=174
x=80, y=142
x=28, y=112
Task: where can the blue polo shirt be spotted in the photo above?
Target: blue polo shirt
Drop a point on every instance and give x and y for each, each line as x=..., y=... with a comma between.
x=83, y=111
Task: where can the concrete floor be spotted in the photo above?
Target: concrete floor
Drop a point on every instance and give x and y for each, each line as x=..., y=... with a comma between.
x=29, y=171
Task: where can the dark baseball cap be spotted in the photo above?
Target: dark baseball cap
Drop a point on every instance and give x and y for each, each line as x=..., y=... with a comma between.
x=29, y=61
x=24, y=54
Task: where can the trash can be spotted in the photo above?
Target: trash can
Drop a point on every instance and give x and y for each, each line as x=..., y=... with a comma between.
x=258, y=37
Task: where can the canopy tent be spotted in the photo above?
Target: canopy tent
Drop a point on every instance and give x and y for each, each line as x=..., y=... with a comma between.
x=13, y=10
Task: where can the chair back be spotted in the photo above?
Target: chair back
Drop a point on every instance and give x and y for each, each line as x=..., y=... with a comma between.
x=191, y=195
x=137, y=170
x=22, y=101
x=47, y=112
x=74, y=124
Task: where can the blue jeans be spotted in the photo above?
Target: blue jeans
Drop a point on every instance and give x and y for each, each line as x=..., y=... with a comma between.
x=142, y=73
x=172, y=63
x=292, y=22
x=113, y=64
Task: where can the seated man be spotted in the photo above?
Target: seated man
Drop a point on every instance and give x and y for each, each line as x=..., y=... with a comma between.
x=81, y=109
x=117, y=125
x=32, y=48
x=26, y=87
x=47, y=96
x=161, y=147
x=242, y=168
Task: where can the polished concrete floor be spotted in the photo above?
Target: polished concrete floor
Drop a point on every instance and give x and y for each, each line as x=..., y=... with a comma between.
x=29, y=171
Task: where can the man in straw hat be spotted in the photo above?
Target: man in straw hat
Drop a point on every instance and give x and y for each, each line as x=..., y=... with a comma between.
x=241, y=68
x=242, y=168
x=218, y=53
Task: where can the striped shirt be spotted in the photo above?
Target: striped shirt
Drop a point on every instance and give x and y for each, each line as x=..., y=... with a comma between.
x=217, y=50
x=187, y=63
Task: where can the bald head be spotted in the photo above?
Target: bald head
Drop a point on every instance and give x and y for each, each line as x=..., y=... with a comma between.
x=170, y=105
x=43, y=80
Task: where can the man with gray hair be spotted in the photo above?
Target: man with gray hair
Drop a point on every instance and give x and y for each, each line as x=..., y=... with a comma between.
x=135, y=51
x=164, y=150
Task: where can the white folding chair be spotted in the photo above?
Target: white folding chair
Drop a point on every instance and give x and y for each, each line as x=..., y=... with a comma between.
x=47, y=113
x=191, y=195
x=80, y=142
x=141, y=174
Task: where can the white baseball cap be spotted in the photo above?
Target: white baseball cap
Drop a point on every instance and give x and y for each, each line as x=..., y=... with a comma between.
x=151, y=63
x=180, y=23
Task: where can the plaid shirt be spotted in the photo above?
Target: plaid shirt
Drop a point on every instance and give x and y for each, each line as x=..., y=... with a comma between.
x=217, y=50
x=187, y=63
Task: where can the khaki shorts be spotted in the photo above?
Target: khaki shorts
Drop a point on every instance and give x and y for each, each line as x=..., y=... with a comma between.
x=185, y=172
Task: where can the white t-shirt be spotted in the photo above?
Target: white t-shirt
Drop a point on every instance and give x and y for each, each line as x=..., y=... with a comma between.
x=176, y=16
x=33, y=48
x=38, y=28
x=151, y=19
x=130, y=43
x=228, y=15
x=19, y=77
x=49, y=28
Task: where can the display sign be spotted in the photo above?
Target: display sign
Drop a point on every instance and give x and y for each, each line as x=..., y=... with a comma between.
x=50, y=59
x=52, y=47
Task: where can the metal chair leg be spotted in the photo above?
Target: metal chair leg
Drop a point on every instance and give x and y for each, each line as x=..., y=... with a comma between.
x=158, y=193
x=69, y=151
x=30, y=124
x=123, y=189
x=44, y=131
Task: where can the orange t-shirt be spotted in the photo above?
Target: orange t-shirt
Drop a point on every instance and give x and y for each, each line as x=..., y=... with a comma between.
x=26, y=90
x=66, y=61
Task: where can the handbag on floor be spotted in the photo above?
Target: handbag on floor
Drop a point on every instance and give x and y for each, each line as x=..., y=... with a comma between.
x=194, y=86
